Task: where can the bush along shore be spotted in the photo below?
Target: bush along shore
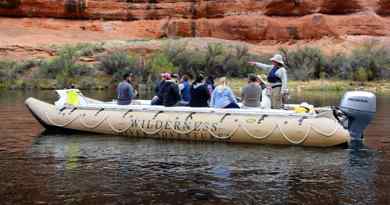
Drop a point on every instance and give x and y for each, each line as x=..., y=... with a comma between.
x=94, y=66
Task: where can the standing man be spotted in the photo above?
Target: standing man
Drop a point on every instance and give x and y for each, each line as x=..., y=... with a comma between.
x=277, y=79
x=125, y=90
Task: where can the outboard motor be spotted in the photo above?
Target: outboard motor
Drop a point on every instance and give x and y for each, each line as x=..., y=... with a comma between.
x=359, y=107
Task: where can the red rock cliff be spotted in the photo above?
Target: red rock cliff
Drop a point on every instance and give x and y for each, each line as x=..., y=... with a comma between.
x=248, y=20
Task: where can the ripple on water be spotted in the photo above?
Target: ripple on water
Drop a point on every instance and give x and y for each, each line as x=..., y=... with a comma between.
x=92, y=169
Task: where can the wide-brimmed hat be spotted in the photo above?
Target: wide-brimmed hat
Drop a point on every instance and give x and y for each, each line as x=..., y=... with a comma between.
x=278, y=58
x=262, y=77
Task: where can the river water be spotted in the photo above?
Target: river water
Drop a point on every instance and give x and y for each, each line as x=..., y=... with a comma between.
x=93, y=169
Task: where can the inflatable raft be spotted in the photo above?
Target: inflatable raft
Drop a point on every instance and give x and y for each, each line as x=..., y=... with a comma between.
x=323, y=127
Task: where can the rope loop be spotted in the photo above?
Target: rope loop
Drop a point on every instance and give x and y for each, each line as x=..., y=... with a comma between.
x=86, y=125
x=154, y=131
x=246, y=130
x=58, y=124
x=324, y=133
x=292, y=141
x=116, y=129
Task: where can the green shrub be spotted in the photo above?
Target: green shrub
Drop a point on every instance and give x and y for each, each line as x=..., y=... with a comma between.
x=65, y=67
x=372, y=56
x=118, y=63
x=305, y=63
x=64, y=63
x=11, y=72
x=159, y=63
x=338, y=66
x=361, y=74
x=235, y=62
x=88, y=49
x=216, y=59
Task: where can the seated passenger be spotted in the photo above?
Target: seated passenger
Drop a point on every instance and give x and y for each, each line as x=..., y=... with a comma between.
x=199, y=93
x=185, y=90
x=210, y=84
x=223, y=96
x=251, y=93
x=168, y=94
x=157, y=99
x=160, y=82
x=125, y=90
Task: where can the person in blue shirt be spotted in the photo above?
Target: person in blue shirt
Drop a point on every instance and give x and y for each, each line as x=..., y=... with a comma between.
x=223, y=96
x=185, y=90
x=125, y=90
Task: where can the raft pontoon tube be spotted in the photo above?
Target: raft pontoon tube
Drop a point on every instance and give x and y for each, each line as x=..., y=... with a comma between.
x=323, y=128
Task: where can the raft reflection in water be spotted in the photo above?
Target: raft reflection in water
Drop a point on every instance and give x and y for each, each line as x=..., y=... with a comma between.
x=240, y=173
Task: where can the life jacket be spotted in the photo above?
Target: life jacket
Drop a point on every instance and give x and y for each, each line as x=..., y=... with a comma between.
x=272, y=78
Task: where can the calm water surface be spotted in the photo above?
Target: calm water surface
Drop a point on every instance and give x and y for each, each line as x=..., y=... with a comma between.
x=89, y=169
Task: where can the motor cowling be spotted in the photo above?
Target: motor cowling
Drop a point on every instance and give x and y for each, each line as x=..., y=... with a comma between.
x=360, y=108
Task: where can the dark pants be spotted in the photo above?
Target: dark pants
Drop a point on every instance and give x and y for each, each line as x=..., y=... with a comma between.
x=232, y=106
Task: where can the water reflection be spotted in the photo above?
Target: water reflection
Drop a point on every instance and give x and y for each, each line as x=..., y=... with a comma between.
x=242, y=174
x=359, y=176
x=89, y=169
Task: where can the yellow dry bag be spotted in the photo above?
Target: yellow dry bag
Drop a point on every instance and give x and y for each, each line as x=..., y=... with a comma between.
x=72, y=98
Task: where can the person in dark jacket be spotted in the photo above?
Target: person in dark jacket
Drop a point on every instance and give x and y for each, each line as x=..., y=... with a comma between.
x=157, y=99
x=210, y=84
x=168, y=94
x=200, y=94
x=125, y=90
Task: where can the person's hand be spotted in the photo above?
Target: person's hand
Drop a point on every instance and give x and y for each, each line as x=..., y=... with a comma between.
x=252, y=62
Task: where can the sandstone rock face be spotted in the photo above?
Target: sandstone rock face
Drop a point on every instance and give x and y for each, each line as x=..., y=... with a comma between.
x=383, y=7
x=340, y=6
x=291, y=7
x=247, y=20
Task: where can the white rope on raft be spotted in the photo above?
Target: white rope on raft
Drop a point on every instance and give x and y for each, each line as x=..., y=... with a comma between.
x=95, y=125
x=179, y=131
x=169, y=126
x=292, y=141
x=228, y=136
x=116, y=129
x=60, y=125
x=311, y=127
x=255, y=136
x=149, y=132
x=223, y=137
x=326, y=134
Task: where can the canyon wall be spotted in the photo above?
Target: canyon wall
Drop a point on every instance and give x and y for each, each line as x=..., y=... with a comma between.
x=247, y=20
